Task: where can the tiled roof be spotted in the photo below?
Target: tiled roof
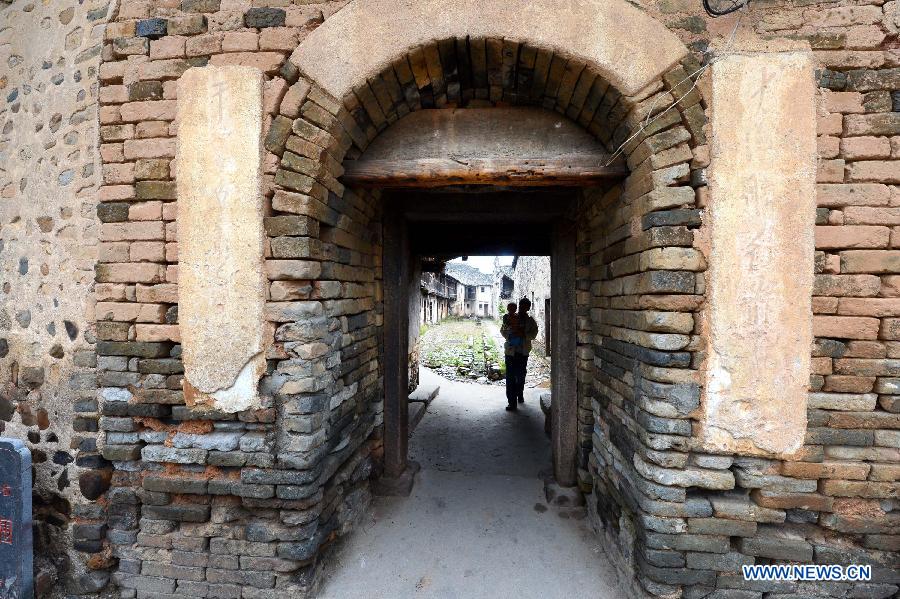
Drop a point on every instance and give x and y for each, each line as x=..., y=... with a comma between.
x=468, y=275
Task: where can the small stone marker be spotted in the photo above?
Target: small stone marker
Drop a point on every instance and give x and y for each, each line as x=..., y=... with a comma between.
x=15, y=520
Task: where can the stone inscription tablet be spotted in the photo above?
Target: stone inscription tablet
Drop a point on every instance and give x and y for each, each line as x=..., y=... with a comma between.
x=760, y=226
x=221, y=284
x=15, y=520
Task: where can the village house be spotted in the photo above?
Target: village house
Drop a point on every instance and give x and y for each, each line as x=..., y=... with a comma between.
x=531, y=279
x=475, y=291
x=503, y=285
x=439, y=294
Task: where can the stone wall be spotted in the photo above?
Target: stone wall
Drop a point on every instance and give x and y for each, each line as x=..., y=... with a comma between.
x=204, y=501
x=49, y=174
x=219, y=504
x=685, y=518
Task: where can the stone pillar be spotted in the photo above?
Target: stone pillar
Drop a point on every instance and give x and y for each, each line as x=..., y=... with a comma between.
x=221, y=281
x=759, y=234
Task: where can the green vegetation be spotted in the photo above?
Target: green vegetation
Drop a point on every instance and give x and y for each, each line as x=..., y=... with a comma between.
x=493, y=354
x=464, y=348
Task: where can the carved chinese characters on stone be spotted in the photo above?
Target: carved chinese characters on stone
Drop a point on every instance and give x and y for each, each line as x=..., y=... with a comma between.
x=221, y=281
x=760, y=242
x=15, y=520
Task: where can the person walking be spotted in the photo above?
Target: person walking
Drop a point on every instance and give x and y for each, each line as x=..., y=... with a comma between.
x=519, y=330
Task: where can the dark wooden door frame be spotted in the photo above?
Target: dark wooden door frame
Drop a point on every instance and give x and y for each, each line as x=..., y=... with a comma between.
x=398, y=258
x=396, y=345
x=563, y=354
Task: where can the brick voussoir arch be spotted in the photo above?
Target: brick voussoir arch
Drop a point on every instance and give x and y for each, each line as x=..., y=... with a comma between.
x=629, y=48
x=353, y=87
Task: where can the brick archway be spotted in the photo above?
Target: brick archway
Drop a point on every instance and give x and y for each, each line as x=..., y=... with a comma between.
x=299, y=476
x=632, y=258
x=467, y=71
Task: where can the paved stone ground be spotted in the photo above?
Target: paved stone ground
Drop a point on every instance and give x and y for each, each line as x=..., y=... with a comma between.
x=476, y=524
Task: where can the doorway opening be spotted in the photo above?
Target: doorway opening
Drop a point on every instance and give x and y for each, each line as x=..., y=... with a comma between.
x=481, y=487
x=423, y=231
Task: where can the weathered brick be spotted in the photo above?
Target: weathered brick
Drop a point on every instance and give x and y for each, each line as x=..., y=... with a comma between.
x=264, y=17
x=847, y=285
x=870, y=261
x=293, y=269
x=842, y=401
x=291, y=225
x=885, y=171
x=129, y=273
x=867, y=489
x=850, y=236
x=845, y=327
x=777, y=547
x=186, y=512
x=132, y=348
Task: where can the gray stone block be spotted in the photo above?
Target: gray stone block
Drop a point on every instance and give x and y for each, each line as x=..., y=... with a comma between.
x=161, y=453
x=226, y=458
x=299, y=551
x=663, y=558
x=722, y=526
x=157, y=527
x=296, y=492
x=153, y=584
x=186, y=512
x=217, y=441
x=264, y=17
x=773, y=482
x=175, y=485
x=280, y=477
x=676, y=575
x=722, y=562
x=689, y=542
x=739, y=507
x=780, y=547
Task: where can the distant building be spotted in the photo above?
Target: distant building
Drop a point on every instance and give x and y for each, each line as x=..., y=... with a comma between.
x=504, y=284
x=439, y=293
x=531, y=276
x=475, y=291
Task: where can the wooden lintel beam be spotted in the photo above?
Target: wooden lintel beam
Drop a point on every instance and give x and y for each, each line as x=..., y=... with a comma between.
x=441, y=172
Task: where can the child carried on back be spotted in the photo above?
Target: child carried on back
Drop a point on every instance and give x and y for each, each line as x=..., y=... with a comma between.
x=516, y=326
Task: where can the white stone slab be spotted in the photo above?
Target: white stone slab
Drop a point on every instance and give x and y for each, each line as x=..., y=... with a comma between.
x=626, y=45
x=221, y=281
x=759, y=231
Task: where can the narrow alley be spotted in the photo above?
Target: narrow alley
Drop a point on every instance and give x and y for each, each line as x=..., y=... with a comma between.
x=477, y=523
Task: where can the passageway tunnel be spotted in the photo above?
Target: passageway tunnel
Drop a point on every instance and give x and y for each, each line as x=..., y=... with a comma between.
x=480, y=181
x=425, y=227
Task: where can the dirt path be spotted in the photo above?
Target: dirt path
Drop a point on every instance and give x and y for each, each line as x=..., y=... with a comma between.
x=476, y=524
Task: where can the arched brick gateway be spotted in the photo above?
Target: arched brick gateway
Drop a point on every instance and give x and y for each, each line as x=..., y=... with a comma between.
x=249, y=500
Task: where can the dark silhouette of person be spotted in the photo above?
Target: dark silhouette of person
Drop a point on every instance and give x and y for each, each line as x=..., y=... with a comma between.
x=519, y=330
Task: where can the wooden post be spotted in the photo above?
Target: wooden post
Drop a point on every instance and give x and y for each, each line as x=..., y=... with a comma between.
x=563, y=354
x=396, y=343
